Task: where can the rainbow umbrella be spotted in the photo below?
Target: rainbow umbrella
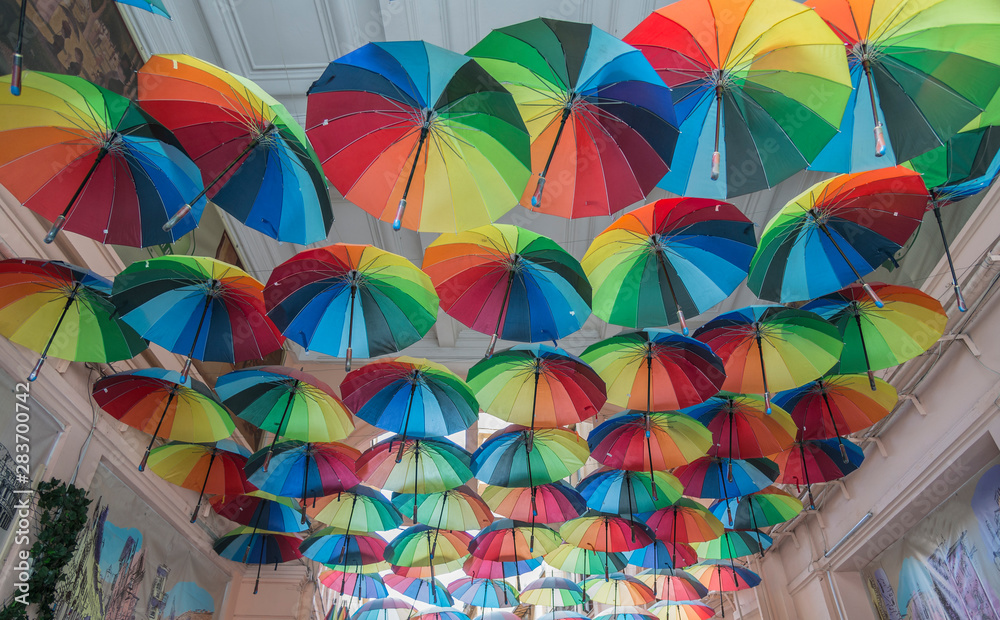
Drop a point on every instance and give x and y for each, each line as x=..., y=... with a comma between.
x=555, y=502
x=254, y=157
x=724, y=576
x=920, y=72
x=319, y=297
x=558, y=388
x=427, y=465
x=759, y=86
x=734, y=544
x=837, y=405
x=682, y=610
x=422, y=545
x=722, y=478
x=497, y=615
x=672, y=584
x=552, y=592
x=570, y=559
x=424, y=572
x=564, y=615
x=195, y=306
x=40, y=300
x=771, y=348
x=516, y=456
x=769, y=506
x=460, y=508
x=155, y=7
x=685, y=521
x=877, y=336
x=817, y=460
x=409, y=122
x=629, y=492
x=669, y=259
x=304, y=469
x=663, y=555
x=257, y=547
x=627, y=612
x=258, y=509
x=340, y=611
x=742, y=427
x=164, y=404
x=359, y=509
x=421, y=590
x=478, y=568
x=355, y=585
x=412, y=397
x=486, y=593
x=286, y=402
x=618, y=589
x=836, y=232
x=95, y=163
x=506, y=540
x=601, y=122
x=441, y=613
x=332, y=547
x=509, y=282
x=606, y=533
x=384, y=609
x=216, y=469
x=640, y=441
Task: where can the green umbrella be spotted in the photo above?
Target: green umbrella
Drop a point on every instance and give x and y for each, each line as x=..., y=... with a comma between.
x=361, y=509
x=460, y=508
x=734, y=544
x=570, y=559
x=769, y=506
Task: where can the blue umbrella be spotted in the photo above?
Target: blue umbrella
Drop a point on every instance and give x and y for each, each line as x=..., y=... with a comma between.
x=423, y=590
x=249, y=546
x=332, y=547
x=303, y=470
x=383, y=609
x=629, y=492
x=355, y=585
x=722, y=478
x=487, y=593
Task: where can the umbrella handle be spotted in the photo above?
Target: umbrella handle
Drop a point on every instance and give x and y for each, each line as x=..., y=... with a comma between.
x=536, y=198
x=871, y=293
x=145, y=457
x=879, y=141
x=176, y=218
x=45, y=352
x=15, y=74
x=716, y=165
x=61, y=220
x=951, y=265
x=397, y=223
x=716, y=155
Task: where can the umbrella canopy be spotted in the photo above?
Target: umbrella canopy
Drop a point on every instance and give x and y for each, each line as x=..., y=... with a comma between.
x=673, y=584
x=486, y=593
x=216, y=469
x=516, y=456
x=478, y=568
x=836, y=232
x=771, y=348
x=165, y=404
x=821, y=460
x=506, y=540
x=359, y=509
x=557, y=388
x=656, y=370
x=769, y=506
x=153, y=6
x=877, y=336
x=425, y=572
x=460, y=508
x=721, y=478
x=685, y=521
x=920, y=72
x=40, y=300
x=412, y=397
x=663, y=555
x=837, y=405
x=724, y=576
x=552, y=592
x=442, y=613
x=546, y=503
x=760, y=88
x=195, y=306
x=254, y=157
x=95, y=163
x=421, y=590
x=604, y=532
x=629, y=492
x=258, y=509
x=303, y=469
x=384, y=609
x=320, y=297
x=571, y=559
x=426, y=466
x=742, y=427
x=682, y=610
x=354, y=585
x=627, y=612
x=734, y=544
x=497, y=615
x=332, y=547
x=250, y=546
x=586, y=98
x=668, y=260
x=619, y=589
x=563, y=615
x=422, y=545
x=509, y=282
x=674, y=439
x=408, y=124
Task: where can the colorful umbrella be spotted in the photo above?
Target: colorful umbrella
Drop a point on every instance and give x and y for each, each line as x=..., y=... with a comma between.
x=742, y=427
x=836, y=232
x=486, y=593
x=441, y=613
x=384, y=609
x=629, y=492
x=40, y=300
x=767, y=79
x=640, y=441
x=412, y=397
x=421, y=590
x=460, y=508
x=304, y=469
x=359, y=509
x=576, y=80
x=254, y=157
x=165, y=404
x=196, y=306
x=478, y=568
x=287, y=402
x=557, y=388
x=564, y=615
x=672, y=584
x=721, y=478
x=497, y=615
x=506, y=540
x=877, y=336
x=570, y=559
x=354, y=584
x=682, y=610
x=427, y=466
x=545, y=503
x=332, y=547
x=724, y=576
x=734, y=544
x=685, y=521
x=837, y=405
x=216, y=469
x=627, y=612
x=771, y=348
x=618, y=589
x=920, y=72
x=421, y=545
x=319, y=297
x=257, y=547
x=424, y=572
x=509, y=282
x=663, y=555
x=516, y=456
x=769, y=506
x=669, y=259
x=409, y=121
x=258, y=509
x=607, y=533
x=552, y=592
x=153, y=6
x=820, y=460
x=93, y=162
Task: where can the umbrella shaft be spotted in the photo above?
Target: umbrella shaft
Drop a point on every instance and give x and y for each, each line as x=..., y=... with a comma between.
x=406, y=426
x=86, y=179
x=253, y=144
x=670, y=285
x=305, y=484
x=156, y=432
x=562, y=125
x=69, y=302
x=503, y=311
x=350, y=330
x=829, y=235
x=281, y=422
x=197, y=332
x=951, y=264
x=871, y=90
x=211, y=461
x=416, y=157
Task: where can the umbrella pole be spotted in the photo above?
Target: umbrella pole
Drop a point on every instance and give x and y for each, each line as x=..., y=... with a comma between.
x=305, y=485
x=16, y=66
x=45, y=352
x=631, y=495
x=211, y=461
x=534, y=402
x=951, y=265
x=716, y=156
x=406, y=423
x=416, y=476
x=732, y=421
x=656, y=565
x=145, y=457
x=440, y=518
x=212, y=291
x=186, y=208
x=517, y=570
x=281, y=422
x=424, y=130
x=260, y=562
x=864, y=348
x=60, y=221
x=536, y=198
x=256, y=522
x=649, y=406
x=879, y=133
x=829, y=409
x=670, y=285
x=503, y=312
x=763, y=374
x=606, y=550
x=350, y=323
x=753, y=522
x=868, y=287
x=805, y=473
x=725, y=493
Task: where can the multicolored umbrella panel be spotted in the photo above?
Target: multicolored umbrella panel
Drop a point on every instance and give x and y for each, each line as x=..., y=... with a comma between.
x=485, y=593
x=722, y=478
x=837, y=405
x=821, y=460
x=571, y=559
x=640, y=441
x=355, y=585
x=552, y=592
x=258, y=509
x=320, y=298
x=516, y=456
x=359, y=509
x=249, y=546
x=673, y=584
x=663, y=555
x=724, y=576
x=216, y=469
x=555, y=502
x=460, y=508
x=601, y=122
x=408, y=124
x=685, y=521
x=332, y=547
x=429, y=591
x=618, y=589
x=735, y=544
x=628, y=493
x=427, y=465
x=682, y=610
x=62, y=310
x=384, y=609
x=764, y=508
x=506, y=540
x=742, y=426
x=304, y=469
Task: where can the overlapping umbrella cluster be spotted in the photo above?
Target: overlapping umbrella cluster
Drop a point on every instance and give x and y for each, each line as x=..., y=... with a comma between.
x=699, y=437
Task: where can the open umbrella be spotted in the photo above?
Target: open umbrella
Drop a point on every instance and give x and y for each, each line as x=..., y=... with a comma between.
x=505, y=459
x=759, y=87
x=304, y=469
x=685, y=521
x=478, y=568
x=571, y=559
x=552, y=592
x=722, y=478
x=196, y=306
x=497, y=615
x=62, y=310
x=355, y=585
x=663, y=555
x=411, y=397
x=486, y=593
x=627, y=612
x=768, y=348
x=618, y=589
x=421, y=590
x=359, y=509
x=836, y=232
x=640, y=441
x=672, y=584
x=384, y=609
x=920, y=72
x=819, y=460
x=606, y=533
x=441, y=613
x=724, y=576
x=421, y=545
x=95, y=163
x=155, y=7
x=555, y=502
x=877, y=336
x=407, y=122
x=629, y=492
x=460, y=508
x=164, y=404
x=668, y=260
x=257, y=547
x=506, y=540
x=320, y=297
x=742, y=427
x=564, y=614
x=682, y=610
x=254, y=157
x=769, y=506
x=287, y=402
x=332, y=547
x=601, y=122
x=837, y=405
x=734, y=544
x=259, y=510
x=427, y=466
x=509, y=282
x=216, y=469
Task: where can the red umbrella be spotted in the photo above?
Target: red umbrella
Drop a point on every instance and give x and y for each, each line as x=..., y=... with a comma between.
x=686, y=521
x=810, y=461
x=640, y=441
x=742, y=427
x=604, y=532
x=546, y=503
x=837, y=405
x=506, y=540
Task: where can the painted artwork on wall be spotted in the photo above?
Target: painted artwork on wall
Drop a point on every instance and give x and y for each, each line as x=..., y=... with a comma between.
x=948, y=565
x=130, y=564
